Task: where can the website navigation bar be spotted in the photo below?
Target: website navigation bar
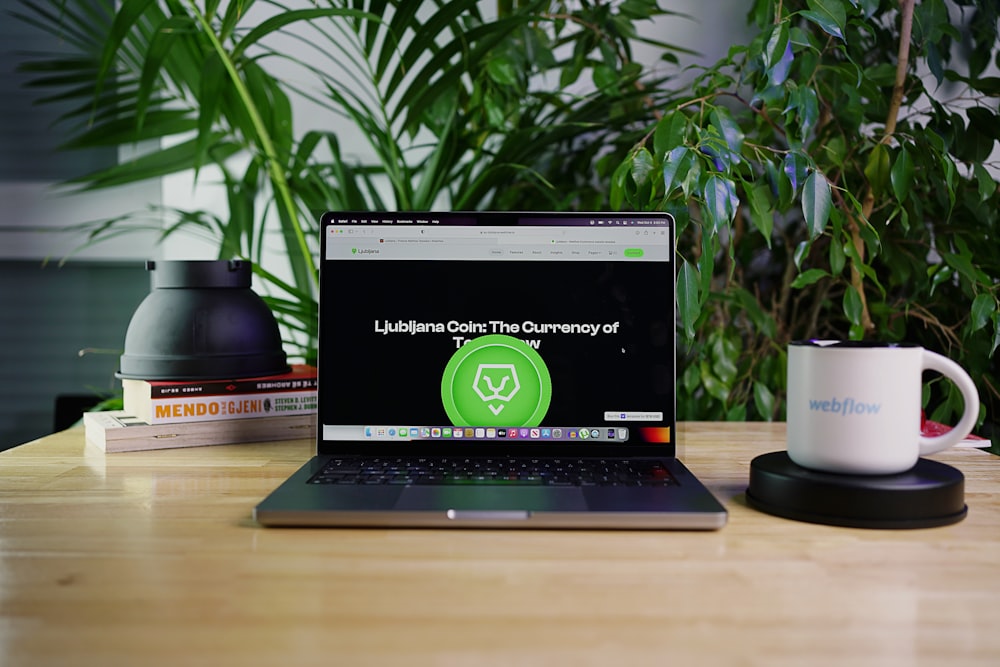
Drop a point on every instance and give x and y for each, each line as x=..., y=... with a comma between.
x=598, y=242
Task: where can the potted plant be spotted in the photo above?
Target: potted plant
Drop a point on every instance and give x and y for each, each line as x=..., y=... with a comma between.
x=834, y=178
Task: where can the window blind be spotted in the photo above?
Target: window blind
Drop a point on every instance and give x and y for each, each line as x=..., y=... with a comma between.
x=29, y=134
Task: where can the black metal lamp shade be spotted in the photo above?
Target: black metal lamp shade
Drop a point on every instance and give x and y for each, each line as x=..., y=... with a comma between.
x=202, y=321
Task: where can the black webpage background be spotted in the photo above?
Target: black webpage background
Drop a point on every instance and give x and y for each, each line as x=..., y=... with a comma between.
x=373, y=378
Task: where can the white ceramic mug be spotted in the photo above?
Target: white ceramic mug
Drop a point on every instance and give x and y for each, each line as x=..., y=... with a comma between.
x=854, y=407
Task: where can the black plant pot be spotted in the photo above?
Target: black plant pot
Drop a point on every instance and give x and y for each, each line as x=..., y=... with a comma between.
x=202, y=321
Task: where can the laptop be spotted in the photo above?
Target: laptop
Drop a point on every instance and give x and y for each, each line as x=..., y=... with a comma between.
x=488, y=369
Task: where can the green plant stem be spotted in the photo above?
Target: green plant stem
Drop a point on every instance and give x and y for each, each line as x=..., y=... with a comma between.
x=902, y=64
x=868, y=201
x=274, y=168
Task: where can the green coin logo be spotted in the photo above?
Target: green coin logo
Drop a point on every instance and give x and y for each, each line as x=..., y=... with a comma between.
x=496, y=380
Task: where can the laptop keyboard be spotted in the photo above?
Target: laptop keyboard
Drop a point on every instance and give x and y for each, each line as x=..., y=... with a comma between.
x=528, y=472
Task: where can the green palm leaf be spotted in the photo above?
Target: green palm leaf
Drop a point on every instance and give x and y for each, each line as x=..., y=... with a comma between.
x=436, y=90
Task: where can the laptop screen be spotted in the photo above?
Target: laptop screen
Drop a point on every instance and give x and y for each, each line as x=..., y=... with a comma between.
x=489, y=331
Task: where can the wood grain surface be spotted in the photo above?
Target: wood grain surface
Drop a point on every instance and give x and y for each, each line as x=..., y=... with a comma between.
x=152, y=558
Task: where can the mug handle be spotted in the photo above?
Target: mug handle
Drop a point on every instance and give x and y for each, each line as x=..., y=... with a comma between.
x=955, y=373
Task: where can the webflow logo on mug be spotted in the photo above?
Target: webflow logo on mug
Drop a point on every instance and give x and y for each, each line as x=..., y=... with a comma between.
x=854, y=406
x=846, y=407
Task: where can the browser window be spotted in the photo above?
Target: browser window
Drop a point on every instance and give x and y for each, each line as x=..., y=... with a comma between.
x=513, y=327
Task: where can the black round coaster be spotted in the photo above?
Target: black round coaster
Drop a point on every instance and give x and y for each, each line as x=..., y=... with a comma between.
x=928, y=495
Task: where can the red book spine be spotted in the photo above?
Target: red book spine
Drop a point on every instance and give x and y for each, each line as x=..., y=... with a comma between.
x=301, y=378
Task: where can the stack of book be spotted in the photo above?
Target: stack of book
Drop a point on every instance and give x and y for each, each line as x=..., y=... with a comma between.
x=163, y=415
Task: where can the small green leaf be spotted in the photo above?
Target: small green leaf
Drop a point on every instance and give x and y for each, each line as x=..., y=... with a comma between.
x=728, y=128
x=808, y=278
x=605, y=78
x=939, y=274
x=675, y=168
x=817, y=202
x=987, y=186
x=983, y=307
x=763, y=400
x=780, y=187
x=829, y=15
x=996, y=333
x=853, y=306
x=669, y=133
x=902, y=175
x=720, y=201
x=835, y=150
x=619, y=186
x=984, y=122
x=761, y=210
x=868, y=7
x=963, y=263
x=801, y=252
x=687, y=298
x=706, y=263
x=882, y=74
x=713, y=385
x=934, y=62
x=796, y=167
x=495, y=113
x=877, y=169
x=642, y=165
x=692, y=179
x=807, y=105
x=837, y=258
x=724, y=357
x=637, y=9
x=950, y=177
x=501, y=70
x=769, y=97
x=691, y=378
x=779, y=55
x=736, y=413
x=776, y=43
x=571, y=72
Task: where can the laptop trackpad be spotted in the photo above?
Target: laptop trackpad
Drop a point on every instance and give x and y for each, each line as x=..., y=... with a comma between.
x=489, y=497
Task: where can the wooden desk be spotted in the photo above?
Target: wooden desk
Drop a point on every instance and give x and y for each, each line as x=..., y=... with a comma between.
x=151, y=558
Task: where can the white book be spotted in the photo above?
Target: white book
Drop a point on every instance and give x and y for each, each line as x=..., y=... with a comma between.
x=117, y=431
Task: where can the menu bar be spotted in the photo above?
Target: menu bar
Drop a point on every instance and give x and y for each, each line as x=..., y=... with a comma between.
x=612, y=242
